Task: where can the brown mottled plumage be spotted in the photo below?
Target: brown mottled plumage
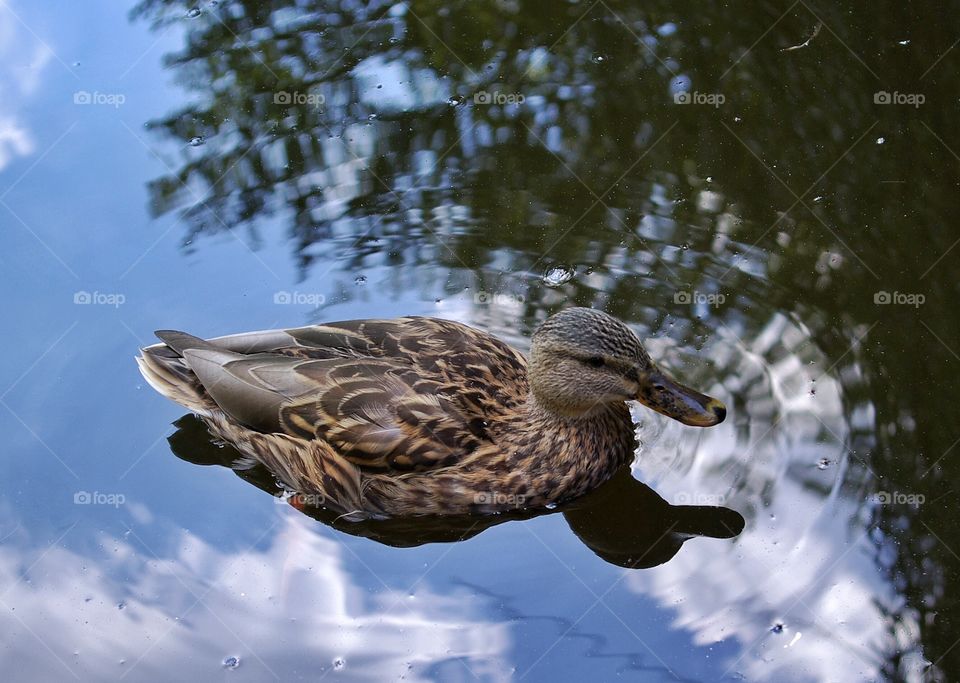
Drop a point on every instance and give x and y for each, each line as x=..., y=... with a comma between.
x=417, y=416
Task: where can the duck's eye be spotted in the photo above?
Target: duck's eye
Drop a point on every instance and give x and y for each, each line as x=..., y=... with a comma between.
x=594, y=361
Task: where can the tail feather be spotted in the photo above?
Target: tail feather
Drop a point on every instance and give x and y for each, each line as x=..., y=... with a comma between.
x=181, y=341
x=164, y=368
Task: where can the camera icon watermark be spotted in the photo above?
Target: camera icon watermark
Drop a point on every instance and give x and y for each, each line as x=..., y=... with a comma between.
x=883, y=298
x=484, y=97
x=85, y=298
x=912, y=99
x=114, y=99
x=297, y=98
x=701, y=298
x=99, y=498
x=299, y=298
x=712, y=99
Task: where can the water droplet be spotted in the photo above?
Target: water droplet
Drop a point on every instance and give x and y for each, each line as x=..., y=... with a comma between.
x=372, y=117
x=393, y=41
x=818, y=199
x=777, y=628
x=904, y=42
x=360, y=279
x=599, y=59
x=823, y=463
x=197, y=141
x=880, y=141
x=121, y=605
x=551, y=506
x=737, y=119
x=194, y=13
x=339, y=663
x=558, y=275
x=231, y=662
x=456, y=100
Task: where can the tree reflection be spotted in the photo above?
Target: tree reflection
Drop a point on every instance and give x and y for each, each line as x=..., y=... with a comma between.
x=358, y=127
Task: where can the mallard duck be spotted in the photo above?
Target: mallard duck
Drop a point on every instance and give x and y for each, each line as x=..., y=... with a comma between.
x=423, y=416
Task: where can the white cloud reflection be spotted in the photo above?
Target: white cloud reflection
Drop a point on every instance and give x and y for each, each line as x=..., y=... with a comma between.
x=23, y=57
x=289, y=610
x=800, y=591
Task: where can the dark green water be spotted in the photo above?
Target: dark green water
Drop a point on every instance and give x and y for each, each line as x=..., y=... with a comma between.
x=779, y=225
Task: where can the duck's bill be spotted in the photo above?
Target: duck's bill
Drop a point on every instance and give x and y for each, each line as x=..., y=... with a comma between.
x=668, y=397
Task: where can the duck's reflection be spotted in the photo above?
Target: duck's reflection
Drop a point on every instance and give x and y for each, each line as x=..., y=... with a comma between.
x=624, y=521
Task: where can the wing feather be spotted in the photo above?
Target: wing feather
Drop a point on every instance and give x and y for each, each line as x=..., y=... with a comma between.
x=404, y=394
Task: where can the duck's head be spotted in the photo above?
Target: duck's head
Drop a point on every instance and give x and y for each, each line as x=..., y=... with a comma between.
x=582, y=360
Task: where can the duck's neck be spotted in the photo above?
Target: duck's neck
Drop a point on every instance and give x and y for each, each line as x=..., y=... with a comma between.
x=574, y=453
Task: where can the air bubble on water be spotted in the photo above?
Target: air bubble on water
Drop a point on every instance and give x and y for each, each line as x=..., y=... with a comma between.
x=121, y=605
x=880, y=141
x=231, y=662
x=194, y=13
x=456, y=100
x=551, y=506
x=818, y=199
x=777, y=628
x=599, y=59
x=339, y=663
x=197, y=141
x=903, y=42
x=372, y=117
x=823, y=463
x=558, y=275
x=737, y=119
x=360, y=279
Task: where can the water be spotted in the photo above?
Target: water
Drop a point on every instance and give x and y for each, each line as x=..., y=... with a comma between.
x=778, y=225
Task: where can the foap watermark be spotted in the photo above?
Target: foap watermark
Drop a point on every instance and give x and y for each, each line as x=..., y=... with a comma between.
x=492, y=299
x=110, y=99
x=712, y=99
x=697, y=498
x=497, y=97
x=84, y=298
x=99, y=498
x=299, y=298
x=497, y=498
x=899, y=298
x=301, y=500
x=897, y=498
x=701, y=298
x=912, y=99
x=310, y=99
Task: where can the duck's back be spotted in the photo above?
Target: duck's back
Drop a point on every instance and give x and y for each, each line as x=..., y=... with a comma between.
x=399, y=394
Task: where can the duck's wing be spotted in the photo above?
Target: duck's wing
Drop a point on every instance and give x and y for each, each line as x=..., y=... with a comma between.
x=404, y=394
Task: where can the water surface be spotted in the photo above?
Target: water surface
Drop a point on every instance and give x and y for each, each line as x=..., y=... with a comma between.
x=779, y=224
